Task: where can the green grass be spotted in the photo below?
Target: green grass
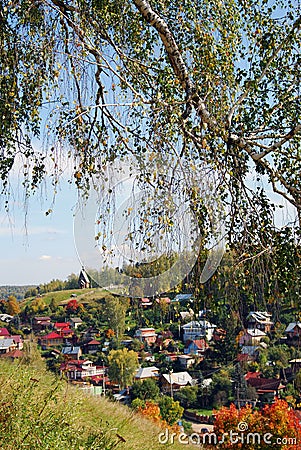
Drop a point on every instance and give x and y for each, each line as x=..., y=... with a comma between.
x=202, y=412
x=39, y=411
x=83, y=295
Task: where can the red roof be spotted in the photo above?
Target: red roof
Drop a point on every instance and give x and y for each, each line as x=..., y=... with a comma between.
x=62, y=325
x=163, y=300
x=52, y=335
x=252, y=375
x=66, y=331
x=4, y=332
x=94, y=342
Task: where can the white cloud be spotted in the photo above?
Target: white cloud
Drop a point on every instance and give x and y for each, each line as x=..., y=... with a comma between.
x=45, y=258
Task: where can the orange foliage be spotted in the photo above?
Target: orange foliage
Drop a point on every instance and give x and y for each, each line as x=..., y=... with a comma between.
x=110, y=333
x=152, y=411
x=277, y=422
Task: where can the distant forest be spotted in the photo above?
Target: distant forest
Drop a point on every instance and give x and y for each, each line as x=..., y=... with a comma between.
x=17, y=291
x=21, y=292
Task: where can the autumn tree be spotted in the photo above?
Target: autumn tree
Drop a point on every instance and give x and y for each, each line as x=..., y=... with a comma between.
x=73, y=306
x=170, y=410
x=184, y=88
x=277, y=423
x=13, y=307
x=122, y=366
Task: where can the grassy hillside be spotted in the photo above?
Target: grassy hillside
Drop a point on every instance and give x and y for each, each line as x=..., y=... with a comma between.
x=42, y=412
x=62, y=297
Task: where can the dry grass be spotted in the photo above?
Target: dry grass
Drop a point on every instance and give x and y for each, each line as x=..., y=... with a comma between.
x=38, y=411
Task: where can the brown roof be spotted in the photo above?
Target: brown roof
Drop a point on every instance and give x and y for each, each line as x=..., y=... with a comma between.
x=42, y=319
x=13, y=354
x=266, y=384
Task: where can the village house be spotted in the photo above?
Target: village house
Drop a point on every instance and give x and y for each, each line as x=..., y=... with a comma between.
x=7, y=345
x=186, y=361
x=41, y=323
x=75, y=322
x=147, y=372
x=67, y=333
x=146, y=335
x=90, y=333
x=79, y=370
x=172, y=382
x=72, y=352
x=52, y=339
x=198, y=329
x=251, y=337
x=260, y=320
x=252, y=350
x=293, y=332
x=18, y=341
x=267, y=389
x=92, y=346
x=64, y=330
x=196, y=347
x=59, y=326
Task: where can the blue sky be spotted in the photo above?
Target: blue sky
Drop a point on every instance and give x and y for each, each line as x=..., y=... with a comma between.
x=42, y=248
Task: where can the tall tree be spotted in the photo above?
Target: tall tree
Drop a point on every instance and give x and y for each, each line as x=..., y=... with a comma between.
x=122, y=366
x=114, y=312
x=183, y=87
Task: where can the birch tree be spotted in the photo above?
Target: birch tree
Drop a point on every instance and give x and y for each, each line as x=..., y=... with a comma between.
x=176, y=85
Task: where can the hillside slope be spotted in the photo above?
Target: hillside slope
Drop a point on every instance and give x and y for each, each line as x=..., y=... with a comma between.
x=38, y=411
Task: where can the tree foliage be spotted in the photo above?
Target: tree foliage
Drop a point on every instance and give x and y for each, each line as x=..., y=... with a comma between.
x=145, y=390
x=171, y=411
x=180, y=86
x=277, y=422
x=114, y=312
x=122, y=366
x=13, y=306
